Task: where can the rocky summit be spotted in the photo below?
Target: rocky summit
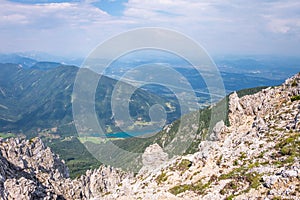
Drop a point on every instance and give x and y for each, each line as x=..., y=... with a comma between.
x=256, y=157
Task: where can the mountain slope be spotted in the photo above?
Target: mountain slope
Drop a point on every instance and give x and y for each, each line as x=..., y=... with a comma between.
x=256, y=157
x=32, y=100
x=45, y=65
x=36, y=102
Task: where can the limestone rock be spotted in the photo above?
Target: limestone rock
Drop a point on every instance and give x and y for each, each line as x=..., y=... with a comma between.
x=29, y=170
x=217, y=130
x=154, y=156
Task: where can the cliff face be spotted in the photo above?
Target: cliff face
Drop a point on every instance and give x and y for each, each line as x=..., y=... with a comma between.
x=257, y=157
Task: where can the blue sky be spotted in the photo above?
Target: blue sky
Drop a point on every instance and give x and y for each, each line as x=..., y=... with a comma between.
x=76, y=27
x=113, y=7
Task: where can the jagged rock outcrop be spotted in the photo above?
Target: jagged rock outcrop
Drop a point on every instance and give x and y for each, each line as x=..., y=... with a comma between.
x=256, y=157
x=217, y=130
x=29, y=170
x=153, y=157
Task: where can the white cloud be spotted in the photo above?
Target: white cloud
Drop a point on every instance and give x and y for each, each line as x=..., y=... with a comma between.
x=52, y=12
x=283, y=17
x=13, y=19
x=229, y=26
x=226, y=25
x=55, y=27
x=279, y=25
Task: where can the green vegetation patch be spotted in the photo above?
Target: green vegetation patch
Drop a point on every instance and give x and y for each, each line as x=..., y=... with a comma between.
x=289, y=147
x=295, y=98
x=162, y=178
x=199, y=188
x=184, y=165
x=230, y=197
x=240, y=175
x=95, y=140
x=254, y=179
x=294, y=84
x=180, y=189
x=6, y=135
x=233, y=174
x=243, y=155
x=250, y=91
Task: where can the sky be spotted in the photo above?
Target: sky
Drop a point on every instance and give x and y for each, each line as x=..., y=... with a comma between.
x=76, y=27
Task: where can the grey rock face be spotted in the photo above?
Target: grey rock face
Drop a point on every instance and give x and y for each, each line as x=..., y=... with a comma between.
x=29, y=170
x=24, y=167
x=217, y=130
x=289, y=173
x=154, y=156
x=260, y=125
x=269, y=181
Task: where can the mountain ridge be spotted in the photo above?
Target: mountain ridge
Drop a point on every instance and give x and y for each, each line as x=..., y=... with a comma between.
x=257, y=156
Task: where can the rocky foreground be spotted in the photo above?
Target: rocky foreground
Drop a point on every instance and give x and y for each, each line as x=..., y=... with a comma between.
x=257, y=157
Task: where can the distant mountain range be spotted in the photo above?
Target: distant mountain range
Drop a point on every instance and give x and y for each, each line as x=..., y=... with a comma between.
x=29, y=59
x=37, y=94
x=17, y=59
x=238, y=72
x=37, y=98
